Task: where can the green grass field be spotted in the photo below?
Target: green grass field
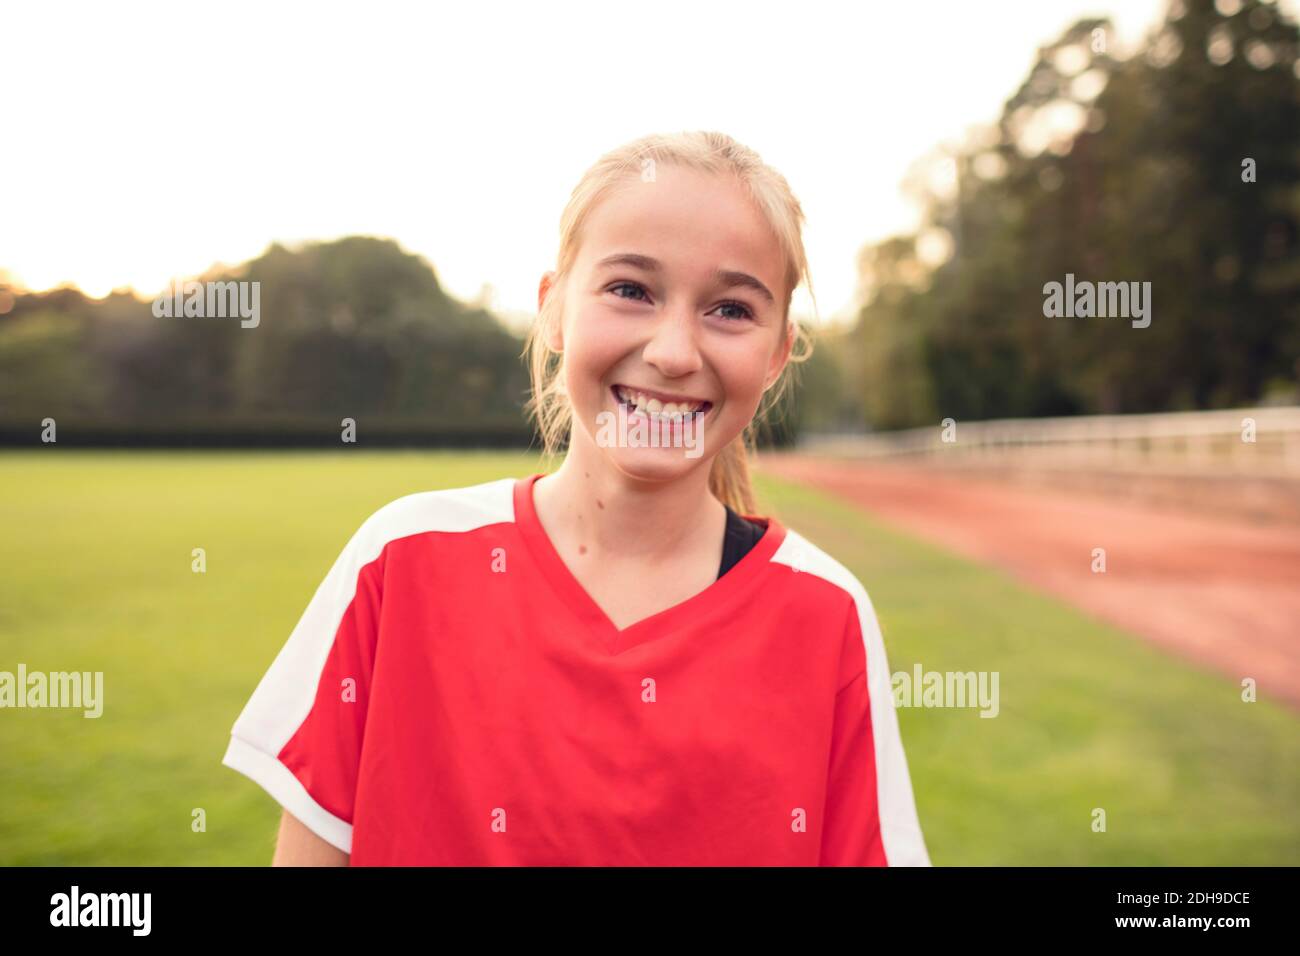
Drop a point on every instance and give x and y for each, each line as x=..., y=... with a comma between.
x=96, y=553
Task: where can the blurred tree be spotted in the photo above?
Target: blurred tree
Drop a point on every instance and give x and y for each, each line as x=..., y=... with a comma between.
x=355, y=327
x=1113, y=170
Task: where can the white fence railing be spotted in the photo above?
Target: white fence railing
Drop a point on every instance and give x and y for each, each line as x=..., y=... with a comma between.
x=1260, y=441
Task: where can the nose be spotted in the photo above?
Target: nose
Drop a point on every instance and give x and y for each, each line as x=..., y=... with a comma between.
x=673, y=348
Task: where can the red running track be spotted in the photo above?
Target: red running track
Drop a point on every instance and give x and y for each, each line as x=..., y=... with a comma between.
x=1222, y=592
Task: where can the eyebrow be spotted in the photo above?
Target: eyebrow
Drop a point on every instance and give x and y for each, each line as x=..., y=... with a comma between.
x=728, y=277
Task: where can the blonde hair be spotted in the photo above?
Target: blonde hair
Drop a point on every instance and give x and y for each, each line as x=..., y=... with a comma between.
x=709, y=152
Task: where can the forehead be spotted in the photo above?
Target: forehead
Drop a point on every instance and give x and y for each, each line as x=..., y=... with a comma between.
x=693, y=222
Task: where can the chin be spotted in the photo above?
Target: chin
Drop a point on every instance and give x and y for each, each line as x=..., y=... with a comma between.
x=655, y=464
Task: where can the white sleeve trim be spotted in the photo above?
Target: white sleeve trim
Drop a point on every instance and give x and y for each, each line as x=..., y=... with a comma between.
x=900, y=827
x=277, y=780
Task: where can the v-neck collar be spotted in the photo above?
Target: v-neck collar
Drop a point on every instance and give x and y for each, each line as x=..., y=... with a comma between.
x=722, y=594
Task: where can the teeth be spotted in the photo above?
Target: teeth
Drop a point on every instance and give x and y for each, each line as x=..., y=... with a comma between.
x=656, y=408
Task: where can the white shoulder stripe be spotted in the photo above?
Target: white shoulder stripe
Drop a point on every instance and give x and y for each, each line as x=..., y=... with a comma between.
x=900, y=827
x=287, y=691
x=449, y=509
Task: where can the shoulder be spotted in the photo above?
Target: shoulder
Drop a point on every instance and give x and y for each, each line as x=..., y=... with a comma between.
x=449, y=510
x=824, y=575
x=863, y=648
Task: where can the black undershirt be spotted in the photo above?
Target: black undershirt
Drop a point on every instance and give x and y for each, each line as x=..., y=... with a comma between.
x=741, y=535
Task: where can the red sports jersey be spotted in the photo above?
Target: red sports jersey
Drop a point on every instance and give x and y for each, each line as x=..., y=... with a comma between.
x=453, y=697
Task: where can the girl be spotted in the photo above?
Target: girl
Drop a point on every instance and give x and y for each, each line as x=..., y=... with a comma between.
x=618, y=663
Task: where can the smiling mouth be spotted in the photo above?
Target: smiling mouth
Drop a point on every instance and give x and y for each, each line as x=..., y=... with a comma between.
x=637, y=401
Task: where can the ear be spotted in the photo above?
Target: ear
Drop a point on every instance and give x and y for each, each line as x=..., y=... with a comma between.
x=554, y=335
x=780, y=357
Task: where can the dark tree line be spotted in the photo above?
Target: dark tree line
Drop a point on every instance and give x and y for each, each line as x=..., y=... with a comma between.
x=354, y=328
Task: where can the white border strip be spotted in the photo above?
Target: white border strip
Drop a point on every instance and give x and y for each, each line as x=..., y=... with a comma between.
x=278, y=780
x=900, y=828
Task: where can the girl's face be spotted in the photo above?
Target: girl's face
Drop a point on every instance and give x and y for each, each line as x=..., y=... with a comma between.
x=676, y=293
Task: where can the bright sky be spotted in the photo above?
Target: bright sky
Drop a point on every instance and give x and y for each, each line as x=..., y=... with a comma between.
x=146, y=141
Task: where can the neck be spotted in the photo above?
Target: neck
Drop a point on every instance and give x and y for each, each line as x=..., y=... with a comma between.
x=588, y=503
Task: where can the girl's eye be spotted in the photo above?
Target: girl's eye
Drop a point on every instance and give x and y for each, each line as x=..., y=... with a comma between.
x=745, y=312
x=625, y=285
x=744, y=309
